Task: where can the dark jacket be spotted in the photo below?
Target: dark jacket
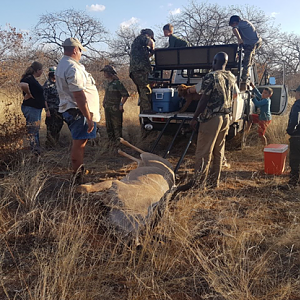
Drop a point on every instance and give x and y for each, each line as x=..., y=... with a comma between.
x=293, y=128
x=38, y=100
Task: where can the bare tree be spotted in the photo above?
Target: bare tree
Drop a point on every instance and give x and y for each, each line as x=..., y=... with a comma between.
x=208, y=24
x=120, y=46
x=53, y=28
x=11, y=41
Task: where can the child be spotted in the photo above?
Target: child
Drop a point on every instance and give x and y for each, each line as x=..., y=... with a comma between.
x=263, y=101
x=174, y=41
x=113, y=103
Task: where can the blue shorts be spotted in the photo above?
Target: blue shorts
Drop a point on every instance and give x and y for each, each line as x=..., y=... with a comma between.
x=78, y=125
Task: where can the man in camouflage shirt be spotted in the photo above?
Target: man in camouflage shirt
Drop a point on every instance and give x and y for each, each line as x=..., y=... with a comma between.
x=54, y=122
x=113, y=103
x=140, y=68
x=218, y=90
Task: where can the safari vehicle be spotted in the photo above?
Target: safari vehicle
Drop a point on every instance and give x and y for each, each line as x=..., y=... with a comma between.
x=175, y=66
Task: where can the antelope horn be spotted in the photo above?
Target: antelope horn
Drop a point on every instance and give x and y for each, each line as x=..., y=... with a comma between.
x=129, y=156
x=122, y=141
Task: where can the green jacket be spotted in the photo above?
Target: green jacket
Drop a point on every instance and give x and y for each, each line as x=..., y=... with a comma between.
x=114, y=92
x=139, y=55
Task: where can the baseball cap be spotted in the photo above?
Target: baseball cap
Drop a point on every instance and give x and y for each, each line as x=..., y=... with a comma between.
x=73, y=42
x=297, y=89
x=109, y=69
x=149, y=32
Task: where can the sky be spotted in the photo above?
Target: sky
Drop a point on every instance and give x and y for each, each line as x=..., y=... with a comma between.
x=24, y=15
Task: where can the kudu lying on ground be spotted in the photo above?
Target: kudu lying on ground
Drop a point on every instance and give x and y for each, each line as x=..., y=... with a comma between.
x=133, y=198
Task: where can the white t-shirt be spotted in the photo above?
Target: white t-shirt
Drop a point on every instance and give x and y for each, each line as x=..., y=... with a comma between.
x=71, y=76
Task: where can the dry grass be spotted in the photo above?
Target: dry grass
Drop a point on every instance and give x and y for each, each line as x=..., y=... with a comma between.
x=240, y=241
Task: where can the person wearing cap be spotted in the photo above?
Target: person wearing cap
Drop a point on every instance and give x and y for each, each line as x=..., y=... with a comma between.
x=293, y=130
x=79, y=100
x=54, y=121
x=141, y=49
x=249, y=39
x=114, y=99
x=33, y=104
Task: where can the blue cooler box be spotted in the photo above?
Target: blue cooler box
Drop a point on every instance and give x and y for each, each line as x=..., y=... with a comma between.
x=166, y=100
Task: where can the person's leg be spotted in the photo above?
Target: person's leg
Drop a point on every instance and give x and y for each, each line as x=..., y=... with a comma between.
x=117, y=120
x=262, y=127
x=205, y=144
x=57, y=126
x=78, y=126
x=33, y=122
x=294, y=160
x=77, y=153
x=249, y=50
x=50, y=123
x=218, y=151
x=141, y=81
x=109, y=123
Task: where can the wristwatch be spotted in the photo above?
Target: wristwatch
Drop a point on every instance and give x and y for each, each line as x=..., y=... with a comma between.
x=121, y=104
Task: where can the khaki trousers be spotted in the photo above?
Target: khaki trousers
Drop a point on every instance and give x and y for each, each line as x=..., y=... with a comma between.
x=211, y=142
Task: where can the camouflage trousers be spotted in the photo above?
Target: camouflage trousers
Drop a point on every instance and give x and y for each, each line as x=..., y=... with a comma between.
x=249, y=52
x=141, y=81
x=114, y=121
x=54, y=124
x=211, y=147
x=294, y=160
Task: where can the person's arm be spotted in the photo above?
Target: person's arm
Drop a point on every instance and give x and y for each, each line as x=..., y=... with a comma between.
x=48, y=115
x=260, y=102
x=293, y=120
x=80, y=99
x=200, y=109
x=46, y=99
x=123, y=100
x=151, y=45
x=124, y=94
x=25, y=88
x=238, y=36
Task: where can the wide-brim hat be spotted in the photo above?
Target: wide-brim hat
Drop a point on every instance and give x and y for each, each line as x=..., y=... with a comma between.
x=109, y=69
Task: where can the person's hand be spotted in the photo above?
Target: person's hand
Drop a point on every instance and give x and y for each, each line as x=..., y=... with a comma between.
x=48, y=115
x=193, y=124
x=121, y=108
x=28, y=96
x=90, y=125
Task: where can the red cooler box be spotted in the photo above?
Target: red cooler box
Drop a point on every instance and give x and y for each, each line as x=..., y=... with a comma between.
x=275, y=156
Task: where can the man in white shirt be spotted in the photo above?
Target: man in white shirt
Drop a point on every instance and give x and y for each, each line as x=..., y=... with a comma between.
x=79, y=100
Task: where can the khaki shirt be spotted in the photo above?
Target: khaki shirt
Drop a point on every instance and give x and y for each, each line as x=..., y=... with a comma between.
x=71, y=76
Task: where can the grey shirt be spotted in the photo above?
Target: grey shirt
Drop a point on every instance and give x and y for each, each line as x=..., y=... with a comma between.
x=248, y=32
